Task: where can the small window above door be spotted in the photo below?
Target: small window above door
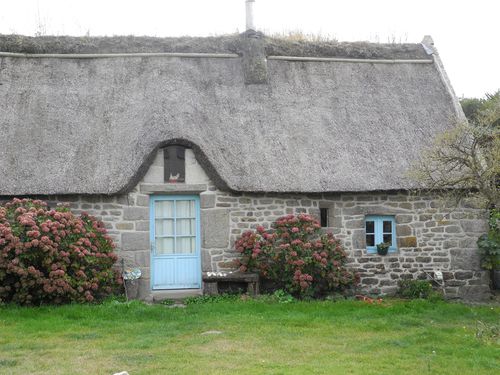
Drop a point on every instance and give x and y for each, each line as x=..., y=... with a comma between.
x=174, y=164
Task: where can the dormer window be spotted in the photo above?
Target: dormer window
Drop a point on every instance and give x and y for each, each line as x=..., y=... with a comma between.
x=174, y=163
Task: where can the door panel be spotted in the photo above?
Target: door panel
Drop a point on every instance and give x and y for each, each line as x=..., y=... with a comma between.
x=175, y=242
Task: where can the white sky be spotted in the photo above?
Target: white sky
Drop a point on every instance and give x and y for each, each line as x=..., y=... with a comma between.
x=465, y=32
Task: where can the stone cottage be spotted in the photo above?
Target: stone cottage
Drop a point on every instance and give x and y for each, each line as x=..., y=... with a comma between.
x=181, y=144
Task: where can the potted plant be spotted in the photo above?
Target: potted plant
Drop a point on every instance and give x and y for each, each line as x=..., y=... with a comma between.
x=383, y=248
x=131, y=278
x=489, y=248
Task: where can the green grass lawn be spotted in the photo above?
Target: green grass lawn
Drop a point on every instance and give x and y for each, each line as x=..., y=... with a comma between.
x=257, y=337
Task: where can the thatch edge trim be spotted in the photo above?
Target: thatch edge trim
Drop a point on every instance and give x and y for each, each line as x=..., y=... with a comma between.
x=340, y=59
x=207, y=55
x=449, y=88
x=431, y=49
x=111, y=55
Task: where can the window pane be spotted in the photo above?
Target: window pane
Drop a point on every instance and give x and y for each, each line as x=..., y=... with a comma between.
x=164, y=209
x=185, y=208
x=186, y=245
x=185, y=227
x=165, y=246
x=388, y=238
x=387, y=226
x=164, y=227
x=370, y=227
x=370, y=240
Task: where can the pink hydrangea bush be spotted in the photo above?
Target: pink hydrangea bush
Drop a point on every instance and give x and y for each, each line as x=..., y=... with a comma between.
x=53, y=256
x=297, y=257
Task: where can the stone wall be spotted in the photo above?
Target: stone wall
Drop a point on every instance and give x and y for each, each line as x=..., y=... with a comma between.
x=430, y=236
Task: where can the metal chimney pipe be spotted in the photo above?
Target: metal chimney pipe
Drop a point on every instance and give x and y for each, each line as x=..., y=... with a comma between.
x=249, y=14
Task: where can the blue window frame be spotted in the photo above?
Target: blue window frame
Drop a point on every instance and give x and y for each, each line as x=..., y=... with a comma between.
x=380, y=229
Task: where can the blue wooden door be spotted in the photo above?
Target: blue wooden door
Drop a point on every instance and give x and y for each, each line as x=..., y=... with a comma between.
x=175, y=242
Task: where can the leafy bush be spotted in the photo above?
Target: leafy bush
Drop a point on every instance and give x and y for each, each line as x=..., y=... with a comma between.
x=283, y=297
x=489, y=244
x=53, y=256
x=489, y=248
x=414, y=289
x=296, y=256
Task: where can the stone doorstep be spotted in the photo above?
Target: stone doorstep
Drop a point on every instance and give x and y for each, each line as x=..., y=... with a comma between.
x=175, y=294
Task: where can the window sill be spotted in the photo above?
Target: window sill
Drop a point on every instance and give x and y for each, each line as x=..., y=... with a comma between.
x=178, y=188
x=373, y=251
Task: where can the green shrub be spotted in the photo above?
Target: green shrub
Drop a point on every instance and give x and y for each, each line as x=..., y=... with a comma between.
x=489, y=244
x=282, y=296
x=414, y=289
x=53, y=256
x=296, y=257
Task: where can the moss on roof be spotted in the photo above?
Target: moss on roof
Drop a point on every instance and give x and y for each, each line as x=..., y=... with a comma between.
x=361, y=50
x=218, y=44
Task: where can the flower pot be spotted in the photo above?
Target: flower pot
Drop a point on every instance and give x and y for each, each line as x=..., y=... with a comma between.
x=382, y=251
x=383, y=248
x=132, y=289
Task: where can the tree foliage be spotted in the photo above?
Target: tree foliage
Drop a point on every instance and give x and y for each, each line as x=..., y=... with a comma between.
x=465, y=161
x=474, y=108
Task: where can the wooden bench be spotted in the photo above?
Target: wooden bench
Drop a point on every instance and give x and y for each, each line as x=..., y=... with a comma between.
x=211, y=283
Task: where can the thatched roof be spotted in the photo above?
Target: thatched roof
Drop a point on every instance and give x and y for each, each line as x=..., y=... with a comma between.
x=91, y=125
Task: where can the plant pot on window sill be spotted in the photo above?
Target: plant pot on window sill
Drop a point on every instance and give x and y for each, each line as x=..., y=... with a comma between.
x=383, y=248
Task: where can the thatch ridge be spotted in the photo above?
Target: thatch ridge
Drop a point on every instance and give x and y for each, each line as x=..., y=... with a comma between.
x=356, y=50
x=274, y=46
x=116, y=44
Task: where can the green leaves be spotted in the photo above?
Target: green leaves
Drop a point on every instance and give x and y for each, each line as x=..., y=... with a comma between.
x=489, y=248
x=53, y=256
x=465, y=160
x=297, y=257
x=417, y=289
x=489, y=244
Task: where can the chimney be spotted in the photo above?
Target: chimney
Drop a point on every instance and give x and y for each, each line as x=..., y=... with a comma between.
x=253, y=48
x=249, y=14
